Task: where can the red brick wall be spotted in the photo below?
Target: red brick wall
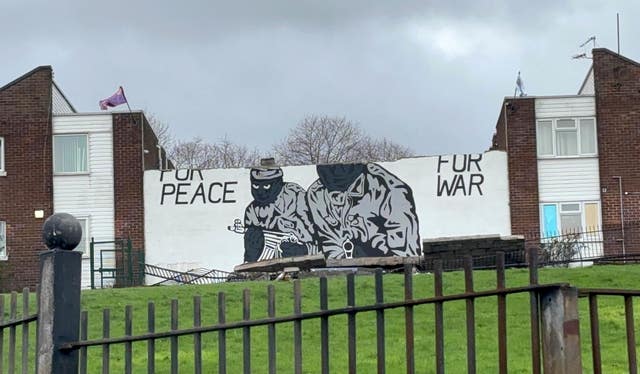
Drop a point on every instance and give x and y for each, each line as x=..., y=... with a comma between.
x=130, y=132
x=127, y=183
x=25, y=124
x=518, y=138
x=617, y=88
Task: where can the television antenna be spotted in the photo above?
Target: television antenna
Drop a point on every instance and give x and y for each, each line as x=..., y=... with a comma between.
x=583, y=45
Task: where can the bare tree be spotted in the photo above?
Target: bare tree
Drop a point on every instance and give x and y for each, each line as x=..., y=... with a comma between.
x=384, y=150
x=198, y=154
x=231, y=155
x=326, y=140
x=161, y=129
x=192, y=154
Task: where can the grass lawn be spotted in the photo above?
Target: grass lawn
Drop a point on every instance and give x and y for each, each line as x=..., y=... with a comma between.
x=611, y=313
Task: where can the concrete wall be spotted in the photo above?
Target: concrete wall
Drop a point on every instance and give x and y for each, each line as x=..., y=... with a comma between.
x=190, y=214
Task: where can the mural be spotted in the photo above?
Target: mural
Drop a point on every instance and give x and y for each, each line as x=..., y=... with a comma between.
x=220, y=218
x=351, y=210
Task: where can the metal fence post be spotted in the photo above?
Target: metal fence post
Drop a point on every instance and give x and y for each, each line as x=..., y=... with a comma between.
x=59, y=298
x=560, y=330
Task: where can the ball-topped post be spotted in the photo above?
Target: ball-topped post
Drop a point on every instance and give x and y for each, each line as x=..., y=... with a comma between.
x=59, y=297
x=61, y=231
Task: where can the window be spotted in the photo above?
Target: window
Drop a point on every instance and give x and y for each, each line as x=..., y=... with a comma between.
x=70, y=154
x=2, y=171
x=3, y=240
x=571, y=217
x=566, y=137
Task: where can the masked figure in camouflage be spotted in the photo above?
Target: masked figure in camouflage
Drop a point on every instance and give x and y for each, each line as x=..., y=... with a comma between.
x=277, y=220
x=362, y=210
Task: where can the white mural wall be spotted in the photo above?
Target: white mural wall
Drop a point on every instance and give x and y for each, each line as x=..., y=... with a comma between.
x=202, y=218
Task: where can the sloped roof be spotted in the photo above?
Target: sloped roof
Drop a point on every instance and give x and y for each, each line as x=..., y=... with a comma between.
x=25, y=76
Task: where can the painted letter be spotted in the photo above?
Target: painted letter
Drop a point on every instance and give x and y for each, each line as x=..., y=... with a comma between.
x=228, y=191
x=178, y=193
x=211, y=190
x=477, y=183
x=464, y=163
x=475, y=161
x=165, y=192
x=186, y=175
x=443, y=185
x=441, y=161
x=199, y=192
x=459, y=185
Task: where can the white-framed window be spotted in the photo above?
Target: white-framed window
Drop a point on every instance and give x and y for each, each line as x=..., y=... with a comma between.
x=566, y=137
x=569, y=217
x=70, y=154
x=2, y=170
x=3, y=240
x=83, y=246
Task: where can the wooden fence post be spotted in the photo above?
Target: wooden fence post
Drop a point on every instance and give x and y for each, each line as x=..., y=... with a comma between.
x=560, y=331
x=59, y=298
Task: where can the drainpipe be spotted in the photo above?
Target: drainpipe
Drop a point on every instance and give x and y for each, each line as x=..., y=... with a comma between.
x=507, y=106
x=619, y=178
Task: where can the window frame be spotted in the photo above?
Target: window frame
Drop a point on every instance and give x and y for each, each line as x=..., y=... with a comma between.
x=85, y=234
x=53, y=144
x=3, y=171
x=3, y=234
x=577, y=128
x=559, y=212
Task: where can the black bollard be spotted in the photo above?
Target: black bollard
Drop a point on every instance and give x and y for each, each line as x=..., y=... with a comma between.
x=59, y=302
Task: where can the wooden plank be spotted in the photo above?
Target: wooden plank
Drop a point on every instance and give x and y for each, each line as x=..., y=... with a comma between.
x=390, y=261
x=278, y=264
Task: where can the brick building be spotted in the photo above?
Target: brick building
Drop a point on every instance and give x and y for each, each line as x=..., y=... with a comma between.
x=572, y=159
x=54, y=159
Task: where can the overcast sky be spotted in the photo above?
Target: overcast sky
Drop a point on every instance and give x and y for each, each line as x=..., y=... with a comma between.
x=427, y=74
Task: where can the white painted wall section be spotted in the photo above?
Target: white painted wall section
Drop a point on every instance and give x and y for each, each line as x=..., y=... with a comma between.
x=555, y=107
x=184, y=233
x=568, y=179
x=91, y=195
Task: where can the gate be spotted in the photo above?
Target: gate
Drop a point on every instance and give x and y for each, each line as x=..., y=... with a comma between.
x=115, y=263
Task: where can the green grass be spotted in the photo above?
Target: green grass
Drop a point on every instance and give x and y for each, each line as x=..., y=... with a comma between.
x=611, y=313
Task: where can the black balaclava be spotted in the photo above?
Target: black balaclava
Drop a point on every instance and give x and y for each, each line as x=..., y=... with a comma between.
x=266, y=184
x=338, y=177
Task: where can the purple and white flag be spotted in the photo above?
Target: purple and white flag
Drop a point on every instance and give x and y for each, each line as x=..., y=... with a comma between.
x=114, y=100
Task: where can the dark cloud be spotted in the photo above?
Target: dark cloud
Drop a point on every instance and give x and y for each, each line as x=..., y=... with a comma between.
x=429, y=74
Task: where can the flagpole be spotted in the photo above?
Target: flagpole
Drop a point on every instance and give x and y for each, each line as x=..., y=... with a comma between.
x=128, y=106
